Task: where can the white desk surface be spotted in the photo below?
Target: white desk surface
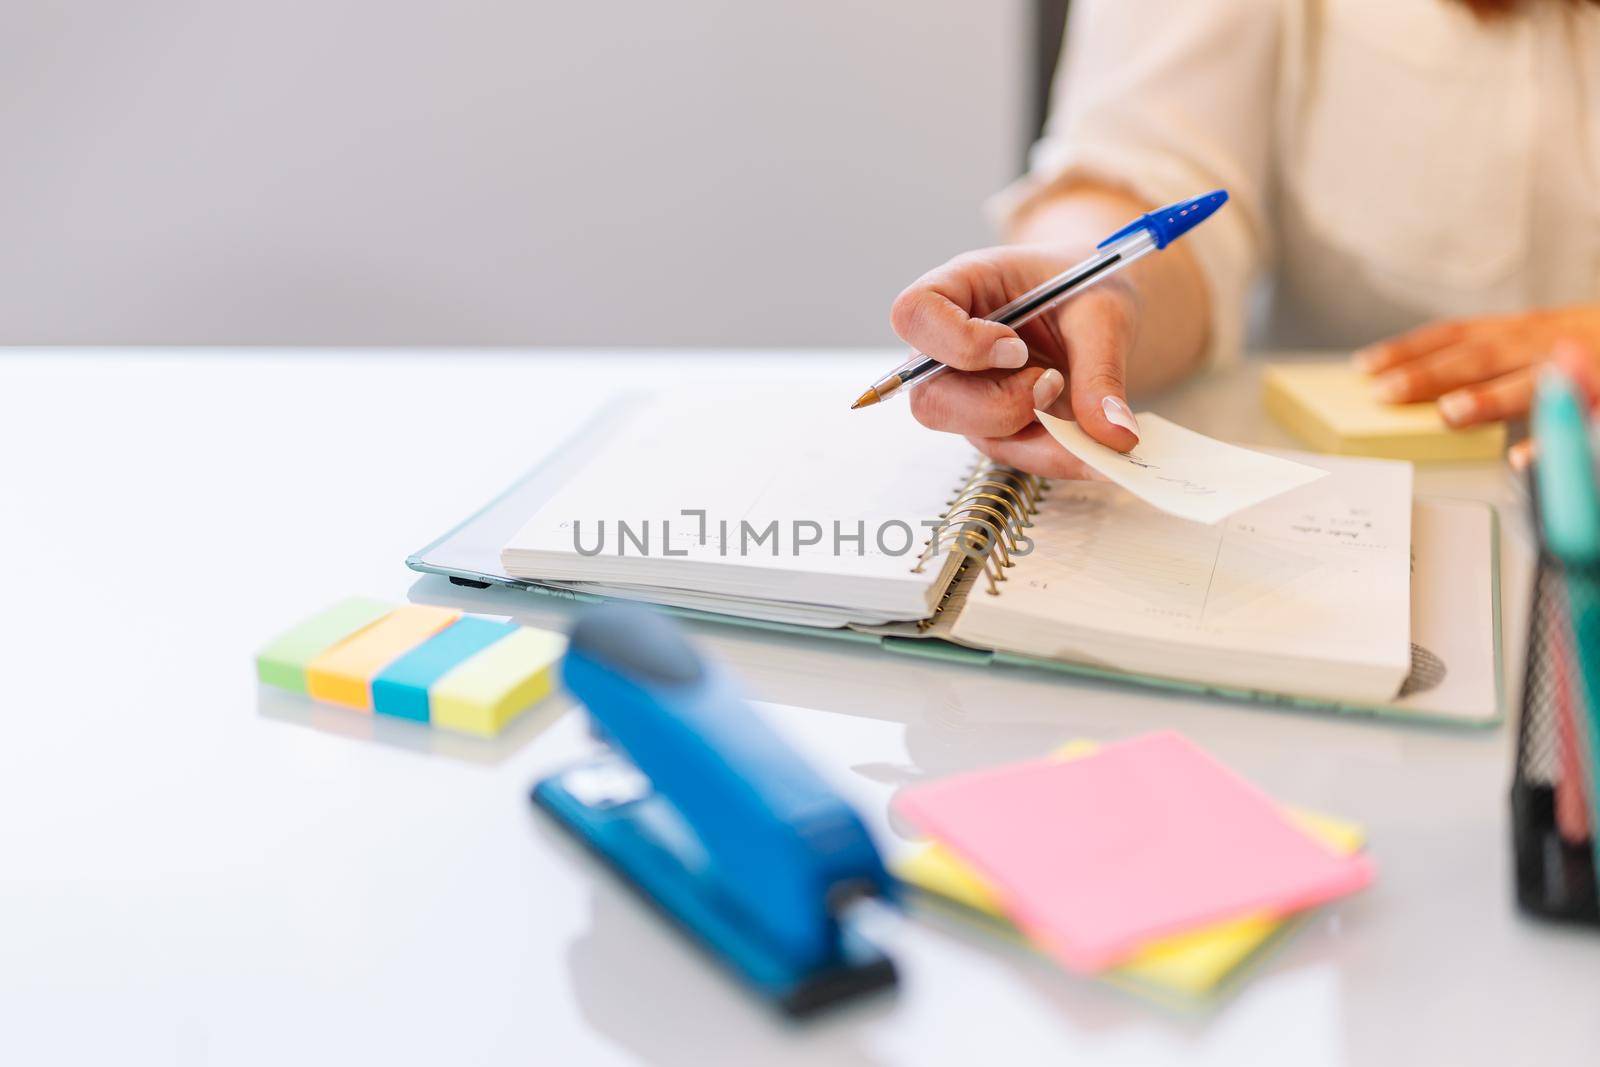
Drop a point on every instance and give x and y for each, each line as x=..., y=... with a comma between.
x=195, y=871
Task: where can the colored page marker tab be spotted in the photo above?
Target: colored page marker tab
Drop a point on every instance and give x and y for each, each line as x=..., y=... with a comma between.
x=283, y=662
x=343, y=674
x=402, y=689
x=493, y=687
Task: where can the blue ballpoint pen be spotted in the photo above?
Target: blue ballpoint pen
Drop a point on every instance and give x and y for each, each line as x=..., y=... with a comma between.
x=1139, y=238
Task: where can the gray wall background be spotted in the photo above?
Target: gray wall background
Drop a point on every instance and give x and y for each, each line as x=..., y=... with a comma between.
x=705, y=172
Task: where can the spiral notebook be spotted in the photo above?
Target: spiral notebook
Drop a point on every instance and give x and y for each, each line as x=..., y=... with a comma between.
x=791, y=511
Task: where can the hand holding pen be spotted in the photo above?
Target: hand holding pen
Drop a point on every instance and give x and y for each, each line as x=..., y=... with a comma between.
x=1037, y=326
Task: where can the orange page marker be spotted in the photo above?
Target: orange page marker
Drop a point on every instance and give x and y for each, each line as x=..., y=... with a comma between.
x=343, y=674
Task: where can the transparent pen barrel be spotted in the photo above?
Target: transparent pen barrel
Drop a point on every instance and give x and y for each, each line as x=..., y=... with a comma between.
x=1075, y=279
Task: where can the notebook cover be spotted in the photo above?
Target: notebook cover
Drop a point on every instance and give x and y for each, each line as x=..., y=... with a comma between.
x=454, y=555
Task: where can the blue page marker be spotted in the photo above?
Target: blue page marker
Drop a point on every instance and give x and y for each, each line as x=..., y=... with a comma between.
x=401, y=689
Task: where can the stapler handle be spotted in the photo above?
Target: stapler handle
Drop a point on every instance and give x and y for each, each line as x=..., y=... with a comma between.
x=781, y=843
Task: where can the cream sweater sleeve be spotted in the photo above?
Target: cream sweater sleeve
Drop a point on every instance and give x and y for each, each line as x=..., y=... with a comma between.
x=1168, y=99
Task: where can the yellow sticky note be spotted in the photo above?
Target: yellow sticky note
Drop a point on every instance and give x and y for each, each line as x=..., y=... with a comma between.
x=1190, y=964
x=1075, y=749
x=935, y=869
x=490, y=688
x=343, y=674
x=1332, y=408
x=1341, y=835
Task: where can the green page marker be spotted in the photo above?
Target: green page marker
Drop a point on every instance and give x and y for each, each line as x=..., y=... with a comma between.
x=283, y=662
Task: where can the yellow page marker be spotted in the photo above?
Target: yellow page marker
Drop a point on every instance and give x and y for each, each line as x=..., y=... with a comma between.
x=343, y=674
x=492, y=687
x=1191, y=964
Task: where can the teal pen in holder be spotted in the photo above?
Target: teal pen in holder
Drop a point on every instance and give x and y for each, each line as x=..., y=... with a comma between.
x=1569, y=501
x=1554, y=799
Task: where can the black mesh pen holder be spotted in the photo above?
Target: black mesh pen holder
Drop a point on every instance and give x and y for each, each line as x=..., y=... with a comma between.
x=1554, y=857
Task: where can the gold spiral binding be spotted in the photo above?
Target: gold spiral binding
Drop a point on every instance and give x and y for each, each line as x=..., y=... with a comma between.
x=989, y=510
x=1010, y=504
x=1017, y=495
x=995, y=520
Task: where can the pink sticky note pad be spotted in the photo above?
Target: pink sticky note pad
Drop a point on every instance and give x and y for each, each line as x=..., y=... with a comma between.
x=1149, y=837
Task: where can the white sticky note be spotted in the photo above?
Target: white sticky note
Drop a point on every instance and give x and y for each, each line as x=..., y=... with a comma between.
x=1184, y=473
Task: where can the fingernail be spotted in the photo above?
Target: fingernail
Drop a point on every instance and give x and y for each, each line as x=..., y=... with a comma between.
x=1047, y=388
x=1118, y=413
x=1521, y=455
x=1009, y=352
x=1390, y=387
x=1457, y=407
x=1364, y=358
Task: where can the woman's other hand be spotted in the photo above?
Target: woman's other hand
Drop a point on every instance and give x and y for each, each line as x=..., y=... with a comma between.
x=1479, y=370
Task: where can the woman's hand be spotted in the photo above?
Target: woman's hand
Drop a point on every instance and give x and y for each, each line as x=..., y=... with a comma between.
x=1070, y=361
x=1479, y=370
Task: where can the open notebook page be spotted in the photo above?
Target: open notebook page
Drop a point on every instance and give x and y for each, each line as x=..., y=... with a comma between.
x=1306, y=594
x=804, y=501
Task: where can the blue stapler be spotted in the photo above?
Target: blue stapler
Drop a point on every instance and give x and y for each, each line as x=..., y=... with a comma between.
x=703, y=809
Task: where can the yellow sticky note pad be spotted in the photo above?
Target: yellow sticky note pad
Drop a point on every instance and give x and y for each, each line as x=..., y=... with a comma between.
x=1332, y=408
x=1189, y=965
x=1341, y=835
x=343, y=674
x=492, y=687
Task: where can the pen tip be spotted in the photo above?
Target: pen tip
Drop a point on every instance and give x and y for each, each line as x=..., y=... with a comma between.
x=866, y=398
